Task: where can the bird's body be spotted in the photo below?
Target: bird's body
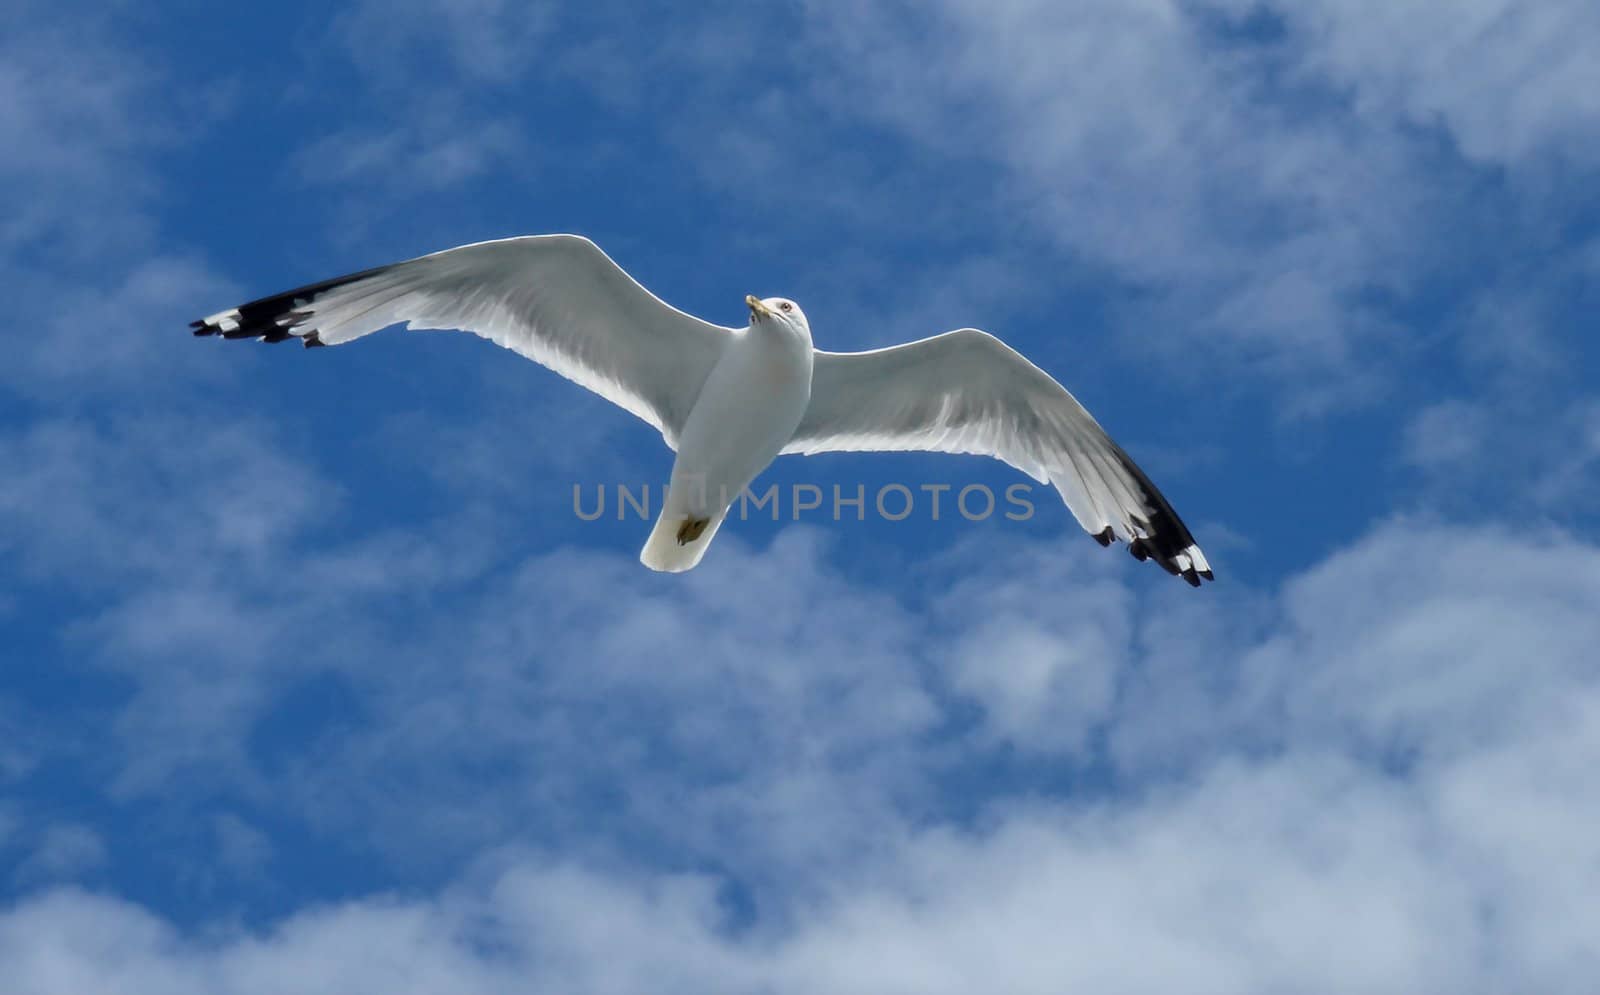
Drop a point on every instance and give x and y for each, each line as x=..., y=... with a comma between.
x=746, y=413
x=730, y=400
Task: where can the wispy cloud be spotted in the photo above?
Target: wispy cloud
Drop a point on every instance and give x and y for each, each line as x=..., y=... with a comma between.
x=1336, y=747
x=1401, y=812
x=1511, y=82
x=1151, y=148
x=61, y=852
x=472, y=41
x=83, y=127
x=72, y=121
x=428, y=152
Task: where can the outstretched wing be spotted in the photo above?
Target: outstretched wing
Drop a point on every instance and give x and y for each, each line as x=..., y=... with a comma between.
x=556, y=299
x=968, y=392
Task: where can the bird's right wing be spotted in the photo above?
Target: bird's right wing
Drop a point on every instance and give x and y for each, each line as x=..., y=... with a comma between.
x=556, y=299
x=968, y=392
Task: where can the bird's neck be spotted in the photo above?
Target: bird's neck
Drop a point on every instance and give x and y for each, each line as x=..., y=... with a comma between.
x=781, y=332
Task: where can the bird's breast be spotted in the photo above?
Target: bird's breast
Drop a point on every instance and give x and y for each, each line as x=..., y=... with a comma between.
x=752, y=402
x=781, y=368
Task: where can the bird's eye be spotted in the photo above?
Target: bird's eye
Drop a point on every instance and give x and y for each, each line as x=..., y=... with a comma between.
x=785, y=306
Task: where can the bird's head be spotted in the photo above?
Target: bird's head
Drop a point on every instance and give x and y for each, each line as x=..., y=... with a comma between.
x=779, y=310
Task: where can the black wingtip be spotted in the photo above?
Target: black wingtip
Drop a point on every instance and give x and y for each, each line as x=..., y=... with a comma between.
x=1104, y=537
x=1159, y=534
x=282, y=316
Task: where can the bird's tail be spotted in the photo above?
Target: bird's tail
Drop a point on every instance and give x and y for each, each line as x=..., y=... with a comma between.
x=677, y=542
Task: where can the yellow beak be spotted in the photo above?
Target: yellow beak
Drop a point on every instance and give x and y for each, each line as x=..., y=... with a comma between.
x=757, y=309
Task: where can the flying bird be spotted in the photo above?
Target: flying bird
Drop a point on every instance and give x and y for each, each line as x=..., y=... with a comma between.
x=729, y=401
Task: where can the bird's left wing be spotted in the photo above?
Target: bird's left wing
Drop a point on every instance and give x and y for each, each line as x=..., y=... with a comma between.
x=556, y=299
x=968, y=392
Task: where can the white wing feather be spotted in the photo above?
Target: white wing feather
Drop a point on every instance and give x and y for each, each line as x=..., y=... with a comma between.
x=556, y=299
x=968, y=392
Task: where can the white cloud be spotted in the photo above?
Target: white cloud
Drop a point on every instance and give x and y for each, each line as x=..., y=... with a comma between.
x=1255, y=175
x=1570, y=478
x=433, y=150
x=16, y=759
x=147, y=494
x=475, y=41
x=1512, y=81
x=1043, y=682
x=401, y=140
x=581, y=654
x=81, y=120
x=1140, y=143
x=1376, y=779
x=73, y=116
x=1445, y=434
x=175, y=538
x=61, y=852
x=89, y=335
x=1533, y=453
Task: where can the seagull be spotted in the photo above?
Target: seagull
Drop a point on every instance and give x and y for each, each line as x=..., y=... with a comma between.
x=729, y=401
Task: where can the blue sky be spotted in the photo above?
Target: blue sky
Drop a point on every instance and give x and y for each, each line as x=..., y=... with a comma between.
x=313, y=681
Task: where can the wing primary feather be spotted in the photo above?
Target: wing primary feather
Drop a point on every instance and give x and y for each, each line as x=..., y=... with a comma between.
x=555, y=299
x=966, y=391
x=1166, y=537
x=265, y=310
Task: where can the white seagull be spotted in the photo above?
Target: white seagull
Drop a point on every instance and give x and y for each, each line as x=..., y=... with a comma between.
x=730, y=400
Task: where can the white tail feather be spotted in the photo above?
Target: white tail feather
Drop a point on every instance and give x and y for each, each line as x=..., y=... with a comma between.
x=663, y=552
